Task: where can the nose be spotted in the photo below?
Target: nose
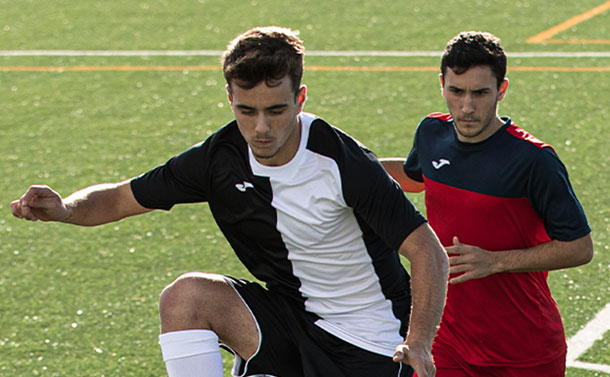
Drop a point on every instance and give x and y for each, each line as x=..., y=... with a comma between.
x=468, y=104
x=262, y=124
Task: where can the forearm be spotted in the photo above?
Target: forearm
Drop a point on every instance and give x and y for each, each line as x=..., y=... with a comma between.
x=552, y=255
x=394, y=167
x=429, y=270
x=428, y=289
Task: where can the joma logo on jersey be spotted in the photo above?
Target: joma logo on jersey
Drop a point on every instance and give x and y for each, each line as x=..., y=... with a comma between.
x=244, y=186
x=442, y=162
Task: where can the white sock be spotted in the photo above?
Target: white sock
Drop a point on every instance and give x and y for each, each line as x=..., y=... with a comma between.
x=191, y=353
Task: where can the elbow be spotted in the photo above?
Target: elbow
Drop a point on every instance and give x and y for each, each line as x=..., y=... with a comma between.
x=586, y=256
x=585, y=251
x=582, y=257
x=442, y=263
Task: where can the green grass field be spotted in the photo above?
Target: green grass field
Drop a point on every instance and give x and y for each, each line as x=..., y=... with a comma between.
x=83, y=301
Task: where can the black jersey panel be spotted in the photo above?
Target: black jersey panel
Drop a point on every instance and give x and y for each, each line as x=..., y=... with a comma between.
x=394, y=280
x=367, y=188
x=382, y=210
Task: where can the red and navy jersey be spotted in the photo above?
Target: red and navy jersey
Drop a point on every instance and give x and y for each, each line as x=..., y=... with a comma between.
x=322, y=229
x=509, y=191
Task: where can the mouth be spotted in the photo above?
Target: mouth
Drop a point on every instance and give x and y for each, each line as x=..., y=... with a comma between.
x=262, y=143
x=468, y=121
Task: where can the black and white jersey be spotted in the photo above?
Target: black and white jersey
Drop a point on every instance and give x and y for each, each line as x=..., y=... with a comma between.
x=322, y=230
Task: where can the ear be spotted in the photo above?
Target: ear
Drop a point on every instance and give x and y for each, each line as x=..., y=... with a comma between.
x=442, y=81
x=229, y=95
x=301, y=97
x=503, y=89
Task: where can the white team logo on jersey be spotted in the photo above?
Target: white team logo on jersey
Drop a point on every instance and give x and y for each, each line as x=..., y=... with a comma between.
x=442, y=162
x=244, y=186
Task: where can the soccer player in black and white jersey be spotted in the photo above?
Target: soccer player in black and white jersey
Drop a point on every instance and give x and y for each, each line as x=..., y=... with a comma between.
x=309, y=211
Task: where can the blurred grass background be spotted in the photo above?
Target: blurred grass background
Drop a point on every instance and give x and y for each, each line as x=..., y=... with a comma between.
x=83, y=301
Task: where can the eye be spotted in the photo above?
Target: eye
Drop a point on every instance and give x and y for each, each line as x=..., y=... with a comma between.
x=277, y=110
x=246, y=112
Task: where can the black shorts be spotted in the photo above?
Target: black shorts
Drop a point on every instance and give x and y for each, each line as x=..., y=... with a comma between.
x=291, y=345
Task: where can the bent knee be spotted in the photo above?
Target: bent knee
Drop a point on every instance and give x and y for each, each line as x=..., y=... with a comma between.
x=186, y=302
x=191, y=281
x=192, y=287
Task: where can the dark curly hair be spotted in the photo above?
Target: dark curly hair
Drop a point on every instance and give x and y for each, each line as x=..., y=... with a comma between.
x=472, y=48
x=264, y=54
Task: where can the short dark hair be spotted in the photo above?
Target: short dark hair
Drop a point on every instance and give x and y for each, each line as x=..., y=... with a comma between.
x=264, y=54
x=472, y=48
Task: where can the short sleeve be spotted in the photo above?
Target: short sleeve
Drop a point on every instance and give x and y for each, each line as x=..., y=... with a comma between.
x=182, y=179
x=551, y=195
x=378, y=199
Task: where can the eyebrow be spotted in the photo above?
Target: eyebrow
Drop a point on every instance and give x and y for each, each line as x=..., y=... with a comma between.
x=272, y=107
x=478, y=90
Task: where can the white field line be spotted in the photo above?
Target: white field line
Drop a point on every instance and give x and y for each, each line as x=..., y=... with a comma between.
x=590, y=366
x=584, y=339
x=582, y=54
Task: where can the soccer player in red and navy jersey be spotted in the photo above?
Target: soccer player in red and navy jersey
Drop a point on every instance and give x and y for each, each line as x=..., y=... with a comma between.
x=502, y=205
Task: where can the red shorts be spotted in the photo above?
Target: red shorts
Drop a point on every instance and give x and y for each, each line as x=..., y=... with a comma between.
x=459, y=368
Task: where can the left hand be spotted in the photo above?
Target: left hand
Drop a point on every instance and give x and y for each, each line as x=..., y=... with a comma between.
x=418, y=357
x=473, y=262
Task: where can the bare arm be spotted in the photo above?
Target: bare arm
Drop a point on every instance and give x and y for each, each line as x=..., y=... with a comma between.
x=428, y=289
x=394, y=167
x=476, y=263
x=90, y=206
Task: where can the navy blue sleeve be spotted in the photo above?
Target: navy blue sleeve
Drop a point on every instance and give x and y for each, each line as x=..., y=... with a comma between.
x=551, y=195
x=182, y=179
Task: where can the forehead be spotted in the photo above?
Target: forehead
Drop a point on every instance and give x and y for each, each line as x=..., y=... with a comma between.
x=479, y=76
x=263, y=95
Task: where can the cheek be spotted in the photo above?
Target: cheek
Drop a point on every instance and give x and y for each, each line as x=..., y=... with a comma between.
x=489, y=105
x=279, y=123
x=452, y=102
x=285, y=130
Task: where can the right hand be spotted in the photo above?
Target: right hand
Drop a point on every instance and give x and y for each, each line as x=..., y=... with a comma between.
x=418, y=357
x=40, y=203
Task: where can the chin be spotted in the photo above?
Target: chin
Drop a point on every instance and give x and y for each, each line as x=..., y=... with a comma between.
x=263, y=156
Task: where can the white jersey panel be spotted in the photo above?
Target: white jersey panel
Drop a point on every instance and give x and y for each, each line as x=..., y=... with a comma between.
x=327, y=251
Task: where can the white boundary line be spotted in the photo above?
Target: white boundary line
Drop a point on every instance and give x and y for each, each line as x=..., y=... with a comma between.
x=586, y=337
x=581, y=54
x=590, y=366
